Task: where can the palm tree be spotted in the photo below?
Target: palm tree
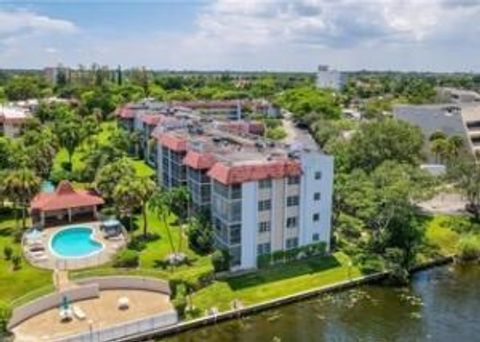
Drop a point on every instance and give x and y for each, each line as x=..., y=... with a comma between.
x=161, y=203
x=455, y=145
x=70, y=136
x=144, y=187
x=21, y=186
x=438, y=147
x=181, y=199
x=437, y=135
x=131, y=193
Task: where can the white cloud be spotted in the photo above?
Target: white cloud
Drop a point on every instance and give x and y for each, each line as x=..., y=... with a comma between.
x=19, y=23
x=267, y=34
x=331, y=23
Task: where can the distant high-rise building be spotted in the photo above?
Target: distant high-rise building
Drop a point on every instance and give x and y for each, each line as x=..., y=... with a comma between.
x=330, y=78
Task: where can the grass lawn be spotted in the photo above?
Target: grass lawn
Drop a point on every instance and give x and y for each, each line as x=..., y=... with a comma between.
x=15, y=284
x=155, y=252
x=276, y=281
x=143, y=169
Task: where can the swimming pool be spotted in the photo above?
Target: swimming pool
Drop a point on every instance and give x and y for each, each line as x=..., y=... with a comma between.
x=75, y=242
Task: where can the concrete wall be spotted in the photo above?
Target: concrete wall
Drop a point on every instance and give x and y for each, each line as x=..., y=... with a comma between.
x=313, y=162
x=134, y=283
x=48, y=302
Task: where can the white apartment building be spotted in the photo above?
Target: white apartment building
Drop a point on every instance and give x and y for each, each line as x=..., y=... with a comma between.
x=261, y=196
x=330, y=78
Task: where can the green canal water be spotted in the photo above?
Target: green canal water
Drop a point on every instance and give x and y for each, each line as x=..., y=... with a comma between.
x=441, y=304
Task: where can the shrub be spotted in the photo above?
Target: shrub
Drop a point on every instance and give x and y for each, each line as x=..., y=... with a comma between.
x=5, y=314
x=292, y=254
x=264, y=260
x=369, y=263
x=16, y=262
x=278, y=256
x=180, y=300
x=469, y=247
x=17, y=235
x=221, y=260
x=277, y=133
x=320, y=248
x=126, y=258
x=7, y=252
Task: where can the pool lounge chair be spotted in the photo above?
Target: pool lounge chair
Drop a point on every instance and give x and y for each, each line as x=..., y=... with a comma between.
x=66, y=314
x=78, y=312
x=37, y=256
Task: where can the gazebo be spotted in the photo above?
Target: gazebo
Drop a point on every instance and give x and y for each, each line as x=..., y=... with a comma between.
x=65, y=204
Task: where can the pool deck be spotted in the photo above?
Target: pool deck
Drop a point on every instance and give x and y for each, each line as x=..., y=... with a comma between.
x=100, y=313
x=52, y=261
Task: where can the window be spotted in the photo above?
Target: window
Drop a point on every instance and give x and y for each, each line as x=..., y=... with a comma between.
x=318, y=174
x=235, y=234
x=236, y=191
x=235, y=256
x=265, y=184
x=292, y=201
x=316, y=196
x=264, y=205
x=292, y=222
x=263, y=248
x=316, y=217
x=292, y=243
x=315, y=237
x=293, y=180
x=264, y=227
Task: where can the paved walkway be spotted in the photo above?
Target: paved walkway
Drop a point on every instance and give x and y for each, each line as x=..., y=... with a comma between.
x=61, y=281
x=445, y=203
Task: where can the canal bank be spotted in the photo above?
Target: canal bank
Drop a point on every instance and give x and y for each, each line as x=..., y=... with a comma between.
x=268, y=305
x=441, y=304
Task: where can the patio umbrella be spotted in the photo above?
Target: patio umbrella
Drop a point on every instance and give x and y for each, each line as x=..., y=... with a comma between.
x=65, y=303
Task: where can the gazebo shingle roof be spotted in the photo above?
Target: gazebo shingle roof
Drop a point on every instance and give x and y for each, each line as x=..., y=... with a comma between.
x=65, y=197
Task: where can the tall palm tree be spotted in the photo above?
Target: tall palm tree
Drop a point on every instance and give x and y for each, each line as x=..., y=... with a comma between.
x=161, y=203
x=144, y=187
x=181, y=207
x=20, y=186
x=455, y=145
x=438, y=147
x=131, y=193
x=70, y=136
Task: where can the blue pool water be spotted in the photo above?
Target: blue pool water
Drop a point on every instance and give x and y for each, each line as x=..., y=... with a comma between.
x=47, y=186
x=74, y=242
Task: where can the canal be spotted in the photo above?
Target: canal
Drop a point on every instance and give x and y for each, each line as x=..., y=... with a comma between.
x=441, y=304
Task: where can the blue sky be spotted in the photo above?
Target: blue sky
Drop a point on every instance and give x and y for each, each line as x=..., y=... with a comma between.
x=437, y=35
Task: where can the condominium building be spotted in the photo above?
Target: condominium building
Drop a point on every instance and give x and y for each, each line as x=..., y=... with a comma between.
x=12, y=118
x=330, y=78
x=261, y=196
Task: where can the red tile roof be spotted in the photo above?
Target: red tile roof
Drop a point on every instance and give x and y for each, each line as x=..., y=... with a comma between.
x=246, y=173
x=199, y=161
x=126, y=113
x=65, y=197
x=173, y=142
x=230, y=104
x=151, y=119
